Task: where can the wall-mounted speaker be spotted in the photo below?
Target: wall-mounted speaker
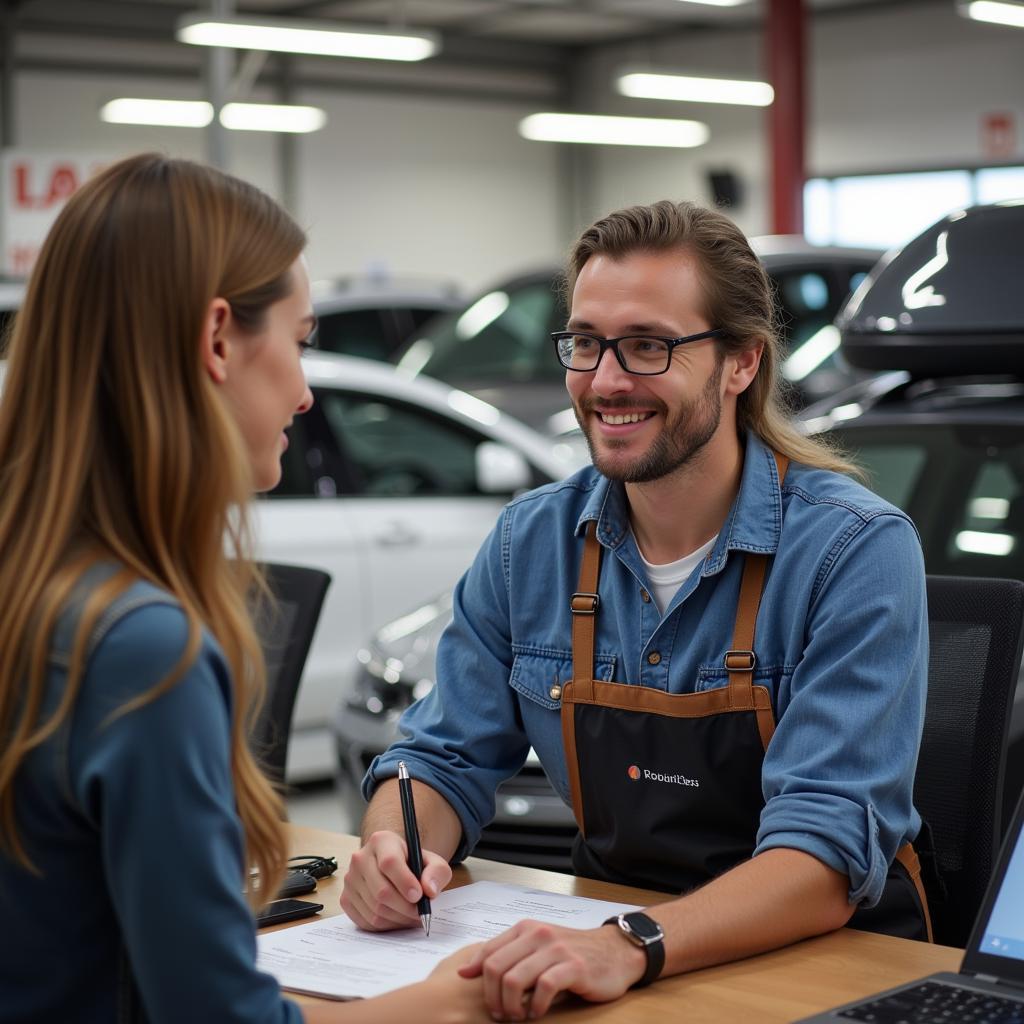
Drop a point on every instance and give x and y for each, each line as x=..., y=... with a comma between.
x=726, y=188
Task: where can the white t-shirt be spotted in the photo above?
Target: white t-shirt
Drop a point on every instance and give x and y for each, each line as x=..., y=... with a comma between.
x=666, y=579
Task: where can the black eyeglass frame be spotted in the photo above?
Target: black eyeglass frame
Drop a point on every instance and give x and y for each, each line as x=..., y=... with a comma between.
x=613, y=344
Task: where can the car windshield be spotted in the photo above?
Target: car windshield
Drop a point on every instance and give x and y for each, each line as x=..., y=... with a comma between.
x=504, y=335
x=961, y=483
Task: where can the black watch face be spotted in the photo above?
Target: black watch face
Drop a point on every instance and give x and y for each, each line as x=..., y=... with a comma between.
x=642, y=926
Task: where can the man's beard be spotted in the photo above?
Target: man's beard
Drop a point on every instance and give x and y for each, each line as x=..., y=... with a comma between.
x=683, y=437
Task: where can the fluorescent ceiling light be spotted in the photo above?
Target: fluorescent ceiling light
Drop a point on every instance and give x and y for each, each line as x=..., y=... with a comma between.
x=324, y=38
x=997, y=12
x=272, y=117
x=171, y=113
x=652, y=86
x=716, y=3
x=252, y=117
x=614, y=131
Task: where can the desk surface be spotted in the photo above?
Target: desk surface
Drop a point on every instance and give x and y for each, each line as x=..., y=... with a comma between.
x=775, y=988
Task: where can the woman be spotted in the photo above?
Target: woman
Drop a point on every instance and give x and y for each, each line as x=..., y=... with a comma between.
x=151, y=374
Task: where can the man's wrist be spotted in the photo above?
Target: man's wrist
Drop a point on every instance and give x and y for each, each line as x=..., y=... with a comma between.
x=646, y=937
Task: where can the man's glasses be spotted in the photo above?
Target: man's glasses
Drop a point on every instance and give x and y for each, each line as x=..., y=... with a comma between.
x=640, y=355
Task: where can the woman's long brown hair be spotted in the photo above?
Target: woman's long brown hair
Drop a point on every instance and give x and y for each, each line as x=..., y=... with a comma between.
x=115, y=445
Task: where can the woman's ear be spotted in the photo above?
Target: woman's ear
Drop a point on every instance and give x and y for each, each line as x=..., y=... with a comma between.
x=214, y=344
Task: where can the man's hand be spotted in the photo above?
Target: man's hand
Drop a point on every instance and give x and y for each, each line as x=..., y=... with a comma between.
x=380, y=891
x=526, y=967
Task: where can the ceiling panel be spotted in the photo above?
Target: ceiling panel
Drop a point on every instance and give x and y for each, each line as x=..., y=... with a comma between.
x=438, y=13
x=560, y=26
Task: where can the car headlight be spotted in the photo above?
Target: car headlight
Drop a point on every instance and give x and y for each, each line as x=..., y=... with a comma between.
x=384, y=686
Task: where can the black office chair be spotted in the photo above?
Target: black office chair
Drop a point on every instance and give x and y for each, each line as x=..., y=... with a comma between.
x=285, y=628
x=976, y=630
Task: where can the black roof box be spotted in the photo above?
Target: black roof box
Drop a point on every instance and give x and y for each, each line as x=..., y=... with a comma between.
x=949, y=302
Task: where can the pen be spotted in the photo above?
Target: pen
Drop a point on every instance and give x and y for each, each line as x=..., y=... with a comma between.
x=412, y=839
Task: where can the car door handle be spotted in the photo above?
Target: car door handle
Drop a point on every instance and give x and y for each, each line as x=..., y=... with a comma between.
x=396, y=535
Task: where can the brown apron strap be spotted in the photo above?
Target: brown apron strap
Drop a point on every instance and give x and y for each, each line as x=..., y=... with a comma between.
x=584, y=617
x=740, y=659
x=907, y=856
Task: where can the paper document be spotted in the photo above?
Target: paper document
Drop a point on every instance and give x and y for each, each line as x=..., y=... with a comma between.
x=333, y=958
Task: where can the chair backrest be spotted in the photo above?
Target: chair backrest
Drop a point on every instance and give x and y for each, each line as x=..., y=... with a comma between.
x=285, y=630
x=976, y=629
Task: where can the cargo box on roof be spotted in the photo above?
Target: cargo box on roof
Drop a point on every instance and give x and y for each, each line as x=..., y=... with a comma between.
x=950, y=302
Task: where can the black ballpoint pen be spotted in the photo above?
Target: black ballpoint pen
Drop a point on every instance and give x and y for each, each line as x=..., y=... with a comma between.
x=412, y=840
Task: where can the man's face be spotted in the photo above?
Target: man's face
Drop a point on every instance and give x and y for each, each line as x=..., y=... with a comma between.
x=641, y=428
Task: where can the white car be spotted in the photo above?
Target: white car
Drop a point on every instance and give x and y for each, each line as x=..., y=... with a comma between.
x=390, y=485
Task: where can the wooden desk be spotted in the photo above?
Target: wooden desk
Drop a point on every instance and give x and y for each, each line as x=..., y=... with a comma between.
x=775, y=988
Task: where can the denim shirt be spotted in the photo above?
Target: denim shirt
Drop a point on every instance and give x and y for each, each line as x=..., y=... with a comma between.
x=841, y=644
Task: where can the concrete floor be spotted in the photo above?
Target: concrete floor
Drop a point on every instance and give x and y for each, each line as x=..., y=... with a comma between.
x=318, y=805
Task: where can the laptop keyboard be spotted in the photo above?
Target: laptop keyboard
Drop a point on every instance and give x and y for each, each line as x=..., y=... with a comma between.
x=938, y=1004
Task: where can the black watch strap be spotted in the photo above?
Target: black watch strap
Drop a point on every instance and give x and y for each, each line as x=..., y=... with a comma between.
x=646, y=933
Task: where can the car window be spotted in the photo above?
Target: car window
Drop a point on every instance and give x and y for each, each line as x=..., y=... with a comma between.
x=807, y=302
x=314, y=465
x=502, y=335
x=991, y=521
x=398, y=449
x=893, y=469
x=355, y=332
x=962, y=484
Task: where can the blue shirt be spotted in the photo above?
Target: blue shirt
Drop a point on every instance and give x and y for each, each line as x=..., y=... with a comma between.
x=842, y=647
x=132, y=823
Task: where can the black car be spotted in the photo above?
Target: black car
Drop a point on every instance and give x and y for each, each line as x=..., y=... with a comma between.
x=498, y=346
x=941, y=434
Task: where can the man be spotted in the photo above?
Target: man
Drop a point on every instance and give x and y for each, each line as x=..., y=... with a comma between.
x=609, y=622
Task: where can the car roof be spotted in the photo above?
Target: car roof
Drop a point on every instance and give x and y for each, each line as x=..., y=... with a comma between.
x=778, y=250
x=354, y=292
x=326, y=369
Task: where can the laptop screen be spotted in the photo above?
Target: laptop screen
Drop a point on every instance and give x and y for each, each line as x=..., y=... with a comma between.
x=997, y=943
x=1004, y=931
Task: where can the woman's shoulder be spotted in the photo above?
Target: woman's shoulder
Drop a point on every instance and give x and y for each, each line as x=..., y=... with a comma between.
x=137, y=638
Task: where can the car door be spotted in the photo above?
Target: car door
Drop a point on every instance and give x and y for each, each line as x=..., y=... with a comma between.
x=413, y=501
x=302, y=523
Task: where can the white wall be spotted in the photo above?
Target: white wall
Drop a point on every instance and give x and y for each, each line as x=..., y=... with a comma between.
x=417, y=185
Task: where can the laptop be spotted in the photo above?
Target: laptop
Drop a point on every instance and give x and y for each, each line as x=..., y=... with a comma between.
x=989, y=988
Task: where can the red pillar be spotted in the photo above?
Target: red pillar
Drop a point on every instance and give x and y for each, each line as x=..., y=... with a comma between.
x=785, y=37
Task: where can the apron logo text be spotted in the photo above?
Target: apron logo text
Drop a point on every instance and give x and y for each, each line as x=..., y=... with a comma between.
x=636, y=773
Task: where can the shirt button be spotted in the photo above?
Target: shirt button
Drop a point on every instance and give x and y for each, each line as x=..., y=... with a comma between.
x=555, y=692
x=653, y=658
x=645, y=597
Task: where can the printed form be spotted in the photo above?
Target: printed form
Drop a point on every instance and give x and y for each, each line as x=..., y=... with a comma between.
x=335, y=959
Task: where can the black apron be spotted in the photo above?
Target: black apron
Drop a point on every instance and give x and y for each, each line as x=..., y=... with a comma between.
x=666, y=787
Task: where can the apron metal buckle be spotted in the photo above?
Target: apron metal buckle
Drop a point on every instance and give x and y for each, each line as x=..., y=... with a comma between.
x=583, y=604
x=740, y=661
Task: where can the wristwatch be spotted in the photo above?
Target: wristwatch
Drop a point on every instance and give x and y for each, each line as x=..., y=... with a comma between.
x=646, y=933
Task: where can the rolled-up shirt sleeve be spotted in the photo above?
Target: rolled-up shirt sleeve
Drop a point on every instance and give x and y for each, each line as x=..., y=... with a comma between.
x=838, y=774
x=466, y=736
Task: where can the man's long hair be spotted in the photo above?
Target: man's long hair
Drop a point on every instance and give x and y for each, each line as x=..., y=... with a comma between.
x=739, y=301
x=116, y=446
